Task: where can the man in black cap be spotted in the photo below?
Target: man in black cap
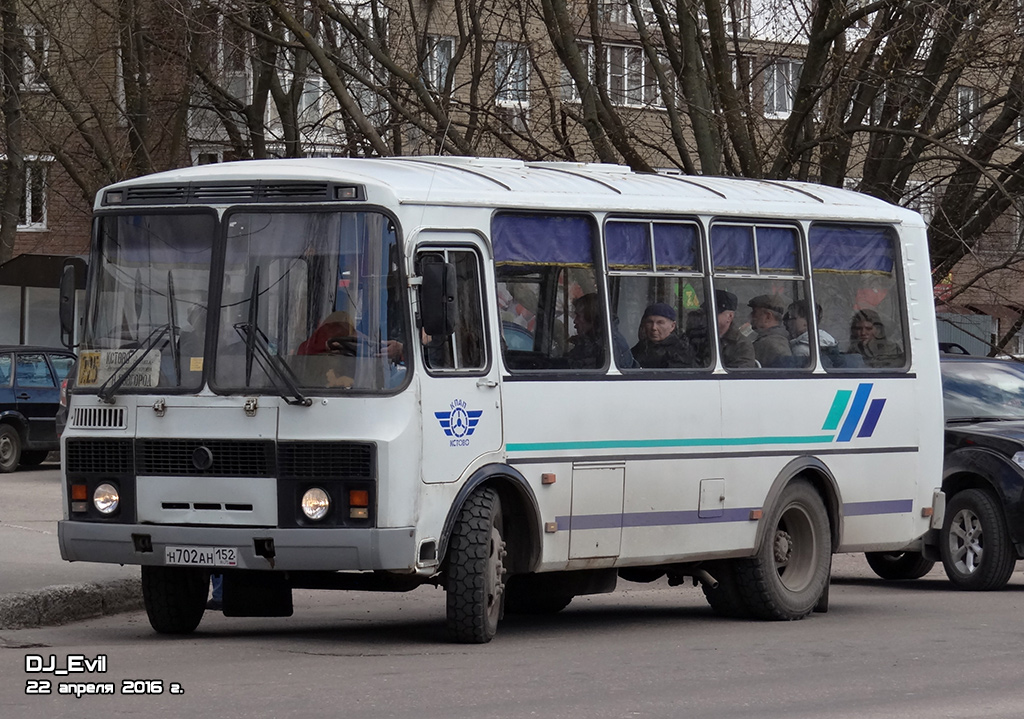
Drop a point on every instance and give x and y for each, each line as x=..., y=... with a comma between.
x=659, y=345
x=737, y=351
x=772, y=342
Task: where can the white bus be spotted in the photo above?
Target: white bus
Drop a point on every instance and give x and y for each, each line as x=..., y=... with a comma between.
x=519, y=381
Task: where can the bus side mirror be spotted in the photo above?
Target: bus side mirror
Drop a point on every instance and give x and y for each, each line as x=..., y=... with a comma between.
x=437, y=298
x=66, y=307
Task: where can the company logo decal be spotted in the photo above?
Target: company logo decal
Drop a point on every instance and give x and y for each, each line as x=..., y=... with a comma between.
x=853, y=413
x=459, y=423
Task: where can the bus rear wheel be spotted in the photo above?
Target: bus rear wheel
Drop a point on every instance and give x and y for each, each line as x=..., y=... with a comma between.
x=476, y=569
x=790, y=571
x=175, y=598
x=725, y=598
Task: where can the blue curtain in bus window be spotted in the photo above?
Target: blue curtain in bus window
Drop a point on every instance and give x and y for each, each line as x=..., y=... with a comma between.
x=732, y=248
x=675, y=247
x=628, y=245
x=542, y=240
x=844, y=248
x=777, y=250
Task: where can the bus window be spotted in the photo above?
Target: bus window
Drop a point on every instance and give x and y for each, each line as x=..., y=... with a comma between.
x=463, y=349
x=759, y=264
x=551, y=315
x=657, y=293
x=855, y=280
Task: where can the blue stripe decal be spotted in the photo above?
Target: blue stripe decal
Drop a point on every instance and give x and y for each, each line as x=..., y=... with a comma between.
x=874, y=410
x=856, y=410
x=892, y=506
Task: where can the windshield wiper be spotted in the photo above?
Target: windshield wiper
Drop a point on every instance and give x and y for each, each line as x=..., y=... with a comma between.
x=109, y=388
x=257, y=346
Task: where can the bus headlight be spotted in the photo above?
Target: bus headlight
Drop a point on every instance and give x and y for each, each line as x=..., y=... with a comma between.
x=315, y=503
x=105, y=498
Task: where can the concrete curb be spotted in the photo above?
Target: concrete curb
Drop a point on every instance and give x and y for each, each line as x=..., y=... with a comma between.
x=65, y=603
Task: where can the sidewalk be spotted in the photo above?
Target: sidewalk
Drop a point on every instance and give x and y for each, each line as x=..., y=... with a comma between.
x=37, y=587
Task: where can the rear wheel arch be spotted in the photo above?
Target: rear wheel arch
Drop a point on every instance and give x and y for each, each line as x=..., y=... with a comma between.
x=814, y=471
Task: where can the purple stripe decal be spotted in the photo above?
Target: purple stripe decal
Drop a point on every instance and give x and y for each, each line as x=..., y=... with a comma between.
x=892, y=506
x=871, y=419
x=739, y=514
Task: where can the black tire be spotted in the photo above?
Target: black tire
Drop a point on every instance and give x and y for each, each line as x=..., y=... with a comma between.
x=899, y=565
x=726, y=599
x=790, y=571
x=33, y=457
x=175, y=598
x=10, y=448
x=476, y=573
x=976, y=549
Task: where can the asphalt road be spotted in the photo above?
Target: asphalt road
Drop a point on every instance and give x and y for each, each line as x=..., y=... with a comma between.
x=883, y=651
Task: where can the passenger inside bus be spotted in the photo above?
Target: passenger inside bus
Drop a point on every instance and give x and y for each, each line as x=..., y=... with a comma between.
x=587, y=345
x=867, y=338
x=771, y=346
x=737, y=350
x=796, y=320
x=660, y=346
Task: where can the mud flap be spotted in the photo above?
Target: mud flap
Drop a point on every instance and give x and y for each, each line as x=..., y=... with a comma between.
x=256, y=594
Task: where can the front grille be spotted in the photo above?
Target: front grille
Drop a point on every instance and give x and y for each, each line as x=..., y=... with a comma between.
x=230, y=458
x=112, y=456
x=326, y=460
x=98, y=418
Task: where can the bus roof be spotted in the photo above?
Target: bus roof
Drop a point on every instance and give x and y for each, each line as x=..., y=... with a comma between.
x=514, y=183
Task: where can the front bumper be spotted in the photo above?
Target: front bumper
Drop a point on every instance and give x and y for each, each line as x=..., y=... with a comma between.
x=323, y=549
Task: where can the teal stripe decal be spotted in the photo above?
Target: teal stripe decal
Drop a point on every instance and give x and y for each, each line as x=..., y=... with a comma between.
x=836, y=413
x=649, y=443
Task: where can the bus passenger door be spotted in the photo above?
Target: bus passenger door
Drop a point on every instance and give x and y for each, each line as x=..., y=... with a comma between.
x=459, y=388
x=595, y=527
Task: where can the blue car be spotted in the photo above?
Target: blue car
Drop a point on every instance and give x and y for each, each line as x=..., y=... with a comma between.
x=30, y=380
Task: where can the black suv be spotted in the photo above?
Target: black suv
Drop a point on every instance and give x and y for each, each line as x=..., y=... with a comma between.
x=982, y=534
x=30, y=379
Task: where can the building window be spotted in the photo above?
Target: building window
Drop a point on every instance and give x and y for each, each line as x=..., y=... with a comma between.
x=631, y=79
x=781, y=79
x=37, y=47
x=32, y=209
x=968, y=100
x=512, y=74
x=435, y=65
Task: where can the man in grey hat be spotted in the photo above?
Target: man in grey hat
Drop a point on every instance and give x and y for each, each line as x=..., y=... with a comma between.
x=772, y=342
x=737, y=351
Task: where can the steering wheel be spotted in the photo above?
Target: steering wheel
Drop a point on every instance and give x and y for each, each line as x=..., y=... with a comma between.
x=343, y=344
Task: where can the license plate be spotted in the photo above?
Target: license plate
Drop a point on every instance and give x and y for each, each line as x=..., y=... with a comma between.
x=201, y=556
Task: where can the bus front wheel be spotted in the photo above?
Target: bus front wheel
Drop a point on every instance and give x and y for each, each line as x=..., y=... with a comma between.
x=790, y=571
x=175, y=598
x=476, y=569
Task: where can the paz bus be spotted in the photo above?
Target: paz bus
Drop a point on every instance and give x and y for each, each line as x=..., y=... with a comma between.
x=382, y=373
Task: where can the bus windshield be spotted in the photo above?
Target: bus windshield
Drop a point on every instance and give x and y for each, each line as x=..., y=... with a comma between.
x=148, y=304
x=310, y=300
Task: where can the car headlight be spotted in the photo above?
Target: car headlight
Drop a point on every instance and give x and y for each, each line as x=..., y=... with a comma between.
x=105, y=498
x=315, y=503
x=1018, y=459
